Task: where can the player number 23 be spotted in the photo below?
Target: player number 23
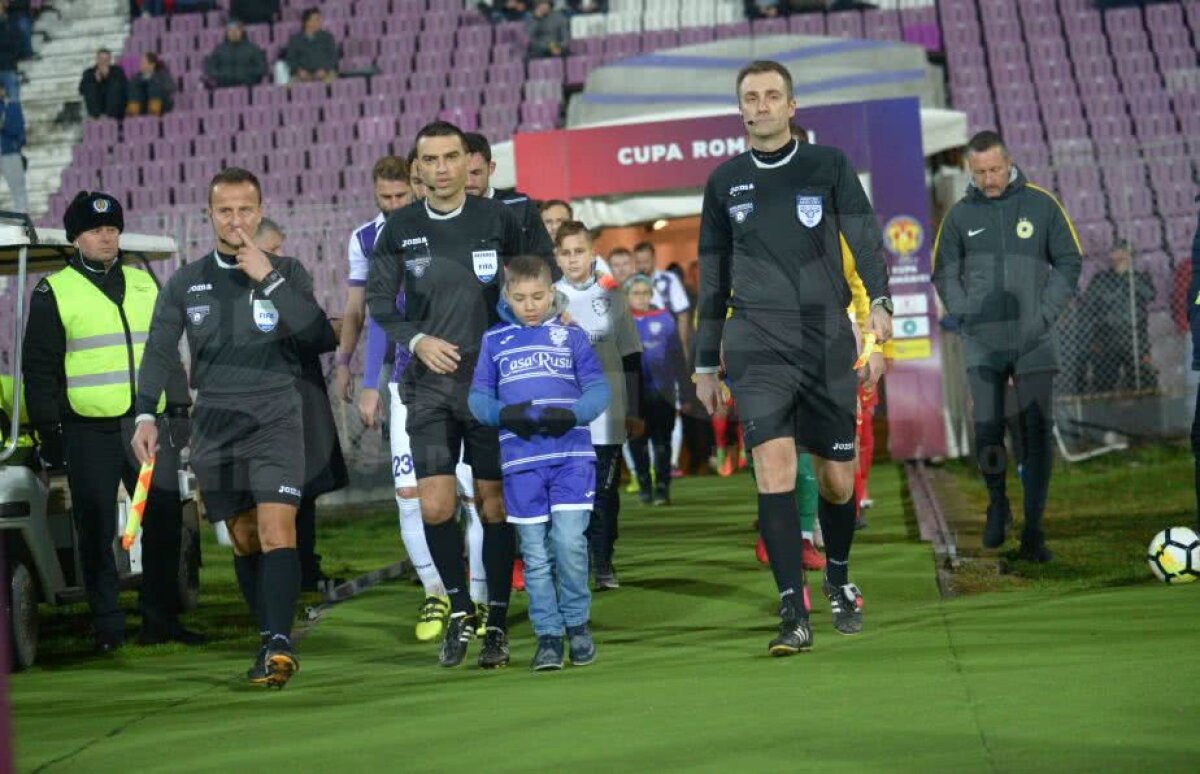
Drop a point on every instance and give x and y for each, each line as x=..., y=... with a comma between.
x=402, y=466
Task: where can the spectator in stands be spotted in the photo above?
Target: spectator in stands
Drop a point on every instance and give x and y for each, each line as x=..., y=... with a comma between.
x=620, y=261
x=588, y=6
x=763, y=9
x=549, y=31
x=312, y=53
x=236, y=61
x=19, y=14
x=506, y=10
x=11, y=45
x=103, y=87
x=12, y=139
x=254, y=11
x=152, y=90
x=1114, y=306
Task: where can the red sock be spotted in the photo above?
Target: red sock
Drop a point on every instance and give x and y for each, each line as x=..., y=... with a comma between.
x=720, y=425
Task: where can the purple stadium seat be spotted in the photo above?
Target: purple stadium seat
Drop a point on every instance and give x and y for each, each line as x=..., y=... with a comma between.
x=427, y=81
x=806, y=24
x=233, y=98
x=543, y=91
x=422, y=104
x=844, y=24
x=473, y=60
x=377, y=129
x=322, y=156
x=463, y=117
x=300, y=114
x=769, y=26
x=735, y=30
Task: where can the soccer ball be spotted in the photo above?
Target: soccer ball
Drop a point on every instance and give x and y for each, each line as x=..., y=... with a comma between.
x=1174, y=555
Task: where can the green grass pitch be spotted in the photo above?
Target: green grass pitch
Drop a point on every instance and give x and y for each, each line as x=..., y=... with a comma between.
x=1036, y=679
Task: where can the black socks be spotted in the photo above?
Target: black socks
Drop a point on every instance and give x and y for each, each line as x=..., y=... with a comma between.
x=246, y=570
x=779, y=525
x=837, y=525
x=279, y=589
x=445, y=543
x=499, y=551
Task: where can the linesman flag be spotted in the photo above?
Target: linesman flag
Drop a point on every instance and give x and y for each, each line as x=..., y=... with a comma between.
x=138, y=509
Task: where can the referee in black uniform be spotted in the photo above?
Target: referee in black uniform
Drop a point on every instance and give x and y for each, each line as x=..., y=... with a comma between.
x=447, y=254
x=247, y=317
x=771, y=234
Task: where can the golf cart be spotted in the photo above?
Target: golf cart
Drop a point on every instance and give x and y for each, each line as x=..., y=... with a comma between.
x=38, y=544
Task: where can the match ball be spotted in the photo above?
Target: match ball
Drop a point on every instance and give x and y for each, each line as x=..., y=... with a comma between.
x=1174, y=555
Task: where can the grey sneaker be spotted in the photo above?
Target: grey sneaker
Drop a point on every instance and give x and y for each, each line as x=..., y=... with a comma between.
x=549, y=654
x=606, y=578
x=583, y=648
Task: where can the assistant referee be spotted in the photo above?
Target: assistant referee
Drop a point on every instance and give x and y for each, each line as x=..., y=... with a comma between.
x=447, y=254
x=248, y=317
x=771, y=232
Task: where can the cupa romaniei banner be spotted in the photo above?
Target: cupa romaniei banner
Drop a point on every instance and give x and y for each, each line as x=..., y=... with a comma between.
x=882, y=138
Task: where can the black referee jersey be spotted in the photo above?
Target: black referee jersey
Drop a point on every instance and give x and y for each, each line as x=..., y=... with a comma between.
x=243, y=336
x=450, y=267
x=537, y=238
x=770, y=241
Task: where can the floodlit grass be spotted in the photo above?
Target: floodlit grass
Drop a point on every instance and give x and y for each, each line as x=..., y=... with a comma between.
x=1026, y=681
x=1099, y=519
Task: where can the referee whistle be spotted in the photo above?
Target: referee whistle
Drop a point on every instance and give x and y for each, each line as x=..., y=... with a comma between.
x=867, y=350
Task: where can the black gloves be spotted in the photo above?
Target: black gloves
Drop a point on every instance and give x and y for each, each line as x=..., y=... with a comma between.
x=556, y=421
x=50, y=447
x=516, y=418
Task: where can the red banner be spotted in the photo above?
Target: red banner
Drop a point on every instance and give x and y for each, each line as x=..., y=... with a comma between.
x=607, y=160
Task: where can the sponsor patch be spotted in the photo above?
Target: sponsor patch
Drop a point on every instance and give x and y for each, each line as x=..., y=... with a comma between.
x=266, y=316
x=809, y=210
x=486, y=263
x=201, y=288
x=740, y=189
x=198, y=314
x=739, y=212
x=290, y=490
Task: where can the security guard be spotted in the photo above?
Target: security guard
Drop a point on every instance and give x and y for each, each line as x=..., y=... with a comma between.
x=83, y=347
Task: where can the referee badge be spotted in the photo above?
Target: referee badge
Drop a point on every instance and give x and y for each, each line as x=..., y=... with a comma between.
x=486, y=263
x=809, y=210
x=1024, y=228
x=266, y=316
x=418, y=265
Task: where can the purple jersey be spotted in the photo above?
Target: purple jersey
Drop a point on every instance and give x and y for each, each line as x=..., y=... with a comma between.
x=663, y=367
x=550, y=365
x=377, y=347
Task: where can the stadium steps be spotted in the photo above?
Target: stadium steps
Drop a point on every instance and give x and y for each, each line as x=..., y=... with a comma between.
x=53, y=80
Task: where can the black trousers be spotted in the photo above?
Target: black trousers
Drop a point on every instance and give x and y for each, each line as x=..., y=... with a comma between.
x=660, y=421
x=99, y=459
x=1035, y=395
x=606, y=506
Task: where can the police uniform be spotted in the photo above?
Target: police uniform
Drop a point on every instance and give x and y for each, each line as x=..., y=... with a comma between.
x=84, y=347
x=771, y=236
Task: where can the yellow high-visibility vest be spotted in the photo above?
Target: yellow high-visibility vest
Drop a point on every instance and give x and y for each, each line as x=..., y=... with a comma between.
x=6, y=405
x=104, y=341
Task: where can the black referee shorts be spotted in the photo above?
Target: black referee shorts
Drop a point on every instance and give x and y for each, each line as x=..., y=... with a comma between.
x=248, y=450
x=440, y=423
x=795, y=380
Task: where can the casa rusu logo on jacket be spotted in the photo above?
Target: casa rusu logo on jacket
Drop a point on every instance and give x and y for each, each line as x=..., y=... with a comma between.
x=809, y=210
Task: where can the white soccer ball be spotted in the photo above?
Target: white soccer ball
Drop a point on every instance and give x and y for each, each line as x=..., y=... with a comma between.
x=1174, y=555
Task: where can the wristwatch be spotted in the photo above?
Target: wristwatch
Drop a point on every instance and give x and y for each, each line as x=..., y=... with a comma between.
x=883, y=301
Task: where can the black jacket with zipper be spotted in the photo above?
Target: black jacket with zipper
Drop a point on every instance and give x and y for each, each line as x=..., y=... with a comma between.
x=45, y=351
x=1005, y=268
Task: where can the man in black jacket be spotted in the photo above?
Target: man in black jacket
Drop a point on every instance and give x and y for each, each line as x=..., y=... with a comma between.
x=103, y=87
x=236, y=61
x=480, y=169
x=1006, y=262
x=248, y=317
x=83, y=348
